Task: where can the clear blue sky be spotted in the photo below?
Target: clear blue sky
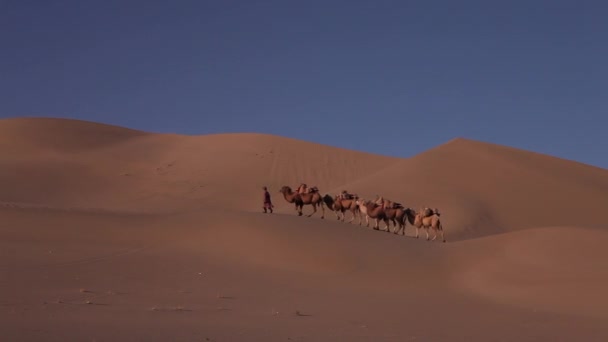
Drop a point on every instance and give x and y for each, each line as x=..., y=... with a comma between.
x=389, y=77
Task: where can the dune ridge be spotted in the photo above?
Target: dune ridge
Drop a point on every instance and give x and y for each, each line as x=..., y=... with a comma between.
x=103, y=225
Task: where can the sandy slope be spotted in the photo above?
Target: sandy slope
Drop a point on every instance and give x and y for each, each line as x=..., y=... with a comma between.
x=115, y=234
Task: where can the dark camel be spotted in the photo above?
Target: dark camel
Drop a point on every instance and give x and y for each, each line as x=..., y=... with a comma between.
x=310, y=198
x=397, y=216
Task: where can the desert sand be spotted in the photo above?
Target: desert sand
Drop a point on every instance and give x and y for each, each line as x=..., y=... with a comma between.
x=113, y=234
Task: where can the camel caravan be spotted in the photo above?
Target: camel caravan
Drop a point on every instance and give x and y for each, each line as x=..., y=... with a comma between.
x=380, y=209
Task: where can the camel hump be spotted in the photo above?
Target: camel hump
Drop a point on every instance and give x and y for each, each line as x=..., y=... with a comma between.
x=426, y=212
x=313, y=189
x=397, y=205
x=347, y=196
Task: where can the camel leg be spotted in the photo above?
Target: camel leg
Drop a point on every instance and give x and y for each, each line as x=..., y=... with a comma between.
x=352, y=218
x=441, y=230
x=314, y=210
x=397, y=230
x=426, y=229
x=417, y=231
x=435, y=230
x=376, y=224
x=322, y=210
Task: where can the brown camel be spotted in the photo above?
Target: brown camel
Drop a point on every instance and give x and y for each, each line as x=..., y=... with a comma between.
x=362, y=210
x=418, y=221
x=370, y=209
x=340, y=206
x=395, y=212
x=310, y=198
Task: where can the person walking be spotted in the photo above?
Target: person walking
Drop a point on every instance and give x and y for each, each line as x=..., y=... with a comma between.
x=267, y=201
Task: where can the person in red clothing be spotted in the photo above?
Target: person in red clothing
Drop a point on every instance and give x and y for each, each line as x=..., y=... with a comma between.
x=267, y=202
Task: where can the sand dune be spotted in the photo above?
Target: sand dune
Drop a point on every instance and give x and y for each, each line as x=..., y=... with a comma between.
x=485, y=188
x=156, y=172
x=111, y=233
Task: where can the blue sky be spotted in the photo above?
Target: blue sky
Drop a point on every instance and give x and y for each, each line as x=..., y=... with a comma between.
x=388, y=77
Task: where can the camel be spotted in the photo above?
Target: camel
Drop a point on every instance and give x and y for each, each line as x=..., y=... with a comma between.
x=331, y=205
x=397, y=216
x=310, y=198
x=395, y=212
x=342, y=205
x=362, y=210
x=370, y=209
x=418, y=221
